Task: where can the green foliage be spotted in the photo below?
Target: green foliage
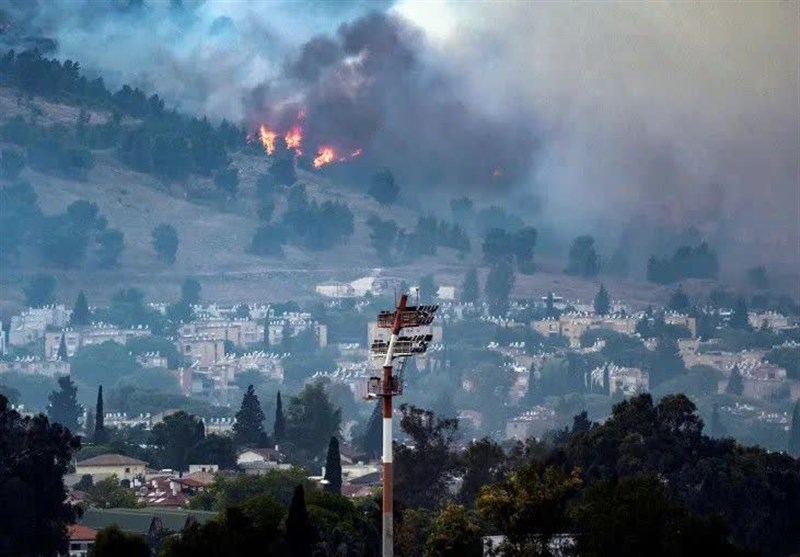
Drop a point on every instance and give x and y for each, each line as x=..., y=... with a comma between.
x=602, y=303
x=214, y=449
x=757, y=278
x=227, y=181
x=481, y=464
x=19, y=218
x=456, y=532
x=315, y=226
x=81, y=316
x=333, y=468
x=248, y=431
x=679, y=301
x=582, y=259
x=496, y=217
x=794, y=431
x=128, y=309
x=64, y=408
x=279, y=426
x=101, y=434
x=165, y=242
x=113, y=542
x=30, y=390
x=687, y=262
x=190, y=291
x=102, y=363
x=299, y=534
x=34, y=457
x=110, y=245
x=40, y=290
x=383, y=187
x=311, y=420
x=739, y=319
x=427, y=289
x=175, y=437
x=383, y=237
x=230, y=491
x=109, y=494
x=787, y=358
x=735, y=384
x=498, y=287
x=370, y=440
x=470, y=289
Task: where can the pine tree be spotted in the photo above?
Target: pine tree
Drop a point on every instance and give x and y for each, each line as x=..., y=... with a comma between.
x=735, y=383
x=739, y=318
x=298, y=529
x=333, y=468
x=679, y=301
x=100, y=433
x=62, y=356
x=373, y=435
x=64, y=407
x=470, y=290
x=794, y=431
x=279, y=429
x=602, y=304
x=81, y=315
x=550, y=305
x=249, y=427
x=716, y=429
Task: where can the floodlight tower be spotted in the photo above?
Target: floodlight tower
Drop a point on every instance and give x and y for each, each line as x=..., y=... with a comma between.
x=389, y=385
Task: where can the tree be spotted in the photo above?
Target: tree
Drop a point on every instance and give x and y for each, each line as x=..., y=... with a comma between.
x=383, y=187
x=383, y=237
x=498, y=287
x=165, y=242
x=64, y=408
x=113, y=542
x=312, y=420
x=249, y=427
x=109, y=494
x=89, y=425
x=758, y=278
x=679, y=301
x=85, y=483
x=175, y=436
x=424, y=466
x=190, y=291
x=214, y=449
x=279, y=427
x=739, y=319
x=35, y=454
x=62, y=355
x=81, y=316
x=716, y=429
x=735, y=383
x=583, y=260
x=111, y=242
x=227, y=181
x=456, y=532
x=333, y=468
x=470, y=289
x=523, y=243
x=106, y=362
x=667, y=362
x=602, y=304
x=40, y=290
x=298, y=528
x=427, y=288
x=100, y=434
x=794, y=431
x=481, y=464
x=497, y=246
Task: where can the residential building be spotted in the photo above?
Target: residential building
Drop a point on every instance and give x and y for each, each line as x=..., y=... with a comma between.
x=241, y=332
x=31, y=365
x=202, y=350
x=533, y=423
x=105, y=465
x=773, y=320
x=30, y=325
x=150, y=523
x=335, y=290
x=294, y=323
x=81, y=539
x=98, y=333
x=573, y=325
x=258, y=460
x=152, y=359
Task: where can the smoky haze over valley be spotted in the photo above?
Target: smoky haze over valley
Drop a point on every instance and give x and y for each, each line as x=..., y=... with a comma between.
x=627, y=121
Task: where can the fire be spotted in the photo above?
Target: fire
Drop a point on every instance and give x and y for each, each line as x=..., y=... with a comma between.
x=325, y=155
x=356, y=153
x=497, y=173
x=267, y=138
x=294, y=139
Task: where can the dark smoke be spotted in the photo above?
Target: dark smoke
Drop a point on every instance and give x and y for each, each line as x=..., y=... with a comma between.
x=369, y=87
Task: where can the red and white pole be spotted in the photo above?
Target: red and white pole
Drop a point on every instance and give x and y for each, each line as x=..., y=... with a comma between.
x=388, y=393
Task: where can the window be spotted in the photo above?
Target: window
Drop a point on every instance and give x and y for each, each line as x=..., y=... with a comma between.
x=127, y=470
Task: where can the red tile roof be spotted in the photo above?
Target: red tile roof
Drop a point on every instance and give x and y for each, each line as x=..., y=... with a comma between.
x=79, y=532
x=111, y=460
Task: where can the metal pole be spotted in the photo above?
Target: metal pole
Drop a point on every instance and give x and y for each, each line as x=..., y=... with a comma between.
x=388, y=484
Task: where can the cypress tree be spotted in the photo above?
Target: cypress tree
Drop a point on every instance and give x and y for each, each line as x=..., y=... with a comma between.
x=266, y=334
x=89, y=425
x=602, y=304
x=80, y=311
x=100, y=433
x=298, y=530
x=64, y=407
x=62, y=349
x=735, y=384
x=794, y=431
x=716, y=428
x=249, y=427
x=739, y=318
x=333, y=468
x=279, y=429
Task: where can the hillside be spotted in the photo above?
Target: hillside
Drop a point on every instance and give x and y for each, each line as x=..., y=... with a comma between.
x=214, y=238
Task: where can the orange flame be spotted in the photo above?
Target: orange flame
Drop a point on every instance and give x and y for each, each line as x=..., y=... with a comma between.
x=325, y=155
x=294, y=139
x=267, y=138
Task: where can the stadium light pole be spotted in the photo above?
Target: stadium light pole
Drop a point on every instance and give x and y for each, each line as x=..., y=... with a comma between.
x=387, y=386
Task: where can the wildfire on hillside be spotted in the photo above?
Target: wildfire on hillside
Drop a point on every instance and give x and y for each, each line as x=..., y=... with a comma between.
x=293, y=138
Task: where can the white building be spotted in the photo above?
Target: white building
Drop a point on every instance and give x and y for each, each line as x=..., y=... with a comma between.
x=30, y=325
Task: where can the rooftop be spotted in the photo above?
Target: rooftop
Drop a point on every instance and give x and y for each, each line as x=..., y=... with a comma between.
x=112, y=460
